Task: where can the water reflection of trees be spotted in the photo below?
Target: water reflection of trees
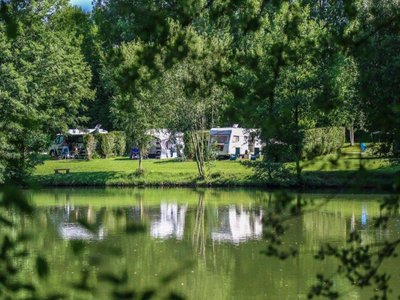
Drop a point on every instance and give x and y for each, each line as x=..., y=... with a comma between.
x=225, y=269
x=231, y=223
x=199, y=233
x=226, y=223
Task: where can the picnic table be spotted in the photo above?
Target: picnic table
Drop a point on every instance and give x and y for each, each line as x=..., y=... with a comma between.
x=59, y=171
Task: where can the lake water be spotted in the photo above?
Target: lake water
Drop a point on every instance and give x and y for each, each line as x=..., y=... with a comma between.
x=209, y=240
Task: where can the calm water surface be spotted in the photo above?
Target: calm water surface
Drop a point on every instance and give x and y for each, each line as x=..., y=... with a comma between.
x=213, y=237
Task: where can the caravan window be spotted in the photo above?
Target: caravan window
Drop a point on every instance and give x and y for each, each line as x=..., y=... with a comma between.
x=220, y=139
x=77, y=139
x=59, y=139
x=235, y=139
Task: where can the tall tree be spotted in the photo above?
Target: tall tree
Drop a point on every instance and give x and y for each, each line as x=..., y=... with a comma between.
x=44, y=82
x=276, y=86
x=195, y=97
x=76, y=22
x=378, y=58
x=133, y=108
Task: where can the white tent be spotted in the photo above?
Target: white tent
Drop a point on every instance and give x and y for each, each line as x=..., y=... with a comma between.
x=166, y=144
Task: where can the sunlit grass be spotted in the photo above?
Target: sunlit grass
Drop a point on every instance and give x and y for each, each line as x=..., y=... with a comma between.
x=124, y=165
x=331, y=170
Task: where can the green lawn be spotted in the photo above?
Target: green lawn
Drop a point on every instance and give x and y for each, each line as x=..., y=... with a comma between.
x=121, y=171
x=325, y=171
x=125, y=165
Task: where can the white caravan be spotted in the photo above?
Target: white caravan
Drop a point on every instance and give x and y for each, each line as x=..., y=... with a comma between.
x=165, y=144
x=72, y=142
x=235, y=141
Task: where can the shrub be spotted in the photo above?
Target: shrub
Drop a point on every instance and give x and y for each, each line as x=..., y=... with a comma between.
x=277, y=152
x=321, y=141
x=119, y=143
x=89, y=142
x=105, y=144
x=316, y=142
x=188, y=151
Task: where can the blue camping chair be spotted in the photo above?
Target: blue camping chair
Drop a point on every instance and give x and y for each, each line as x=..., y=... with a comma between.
x=65, y=153
x=135, y=152
x=363, y=147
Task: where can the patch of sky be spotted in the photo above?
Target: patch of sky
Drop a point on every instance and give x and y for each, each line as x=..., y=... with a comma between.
x=86, y=5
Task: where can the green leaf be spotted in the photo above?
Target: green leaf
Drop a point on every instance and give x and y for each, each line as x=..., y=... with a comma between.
x=42, y=267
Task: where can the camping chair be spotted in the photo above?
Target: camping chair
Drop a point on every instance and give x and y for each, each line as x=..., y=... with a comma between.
x=135, y=152
x=237, y=152
x=65, y=152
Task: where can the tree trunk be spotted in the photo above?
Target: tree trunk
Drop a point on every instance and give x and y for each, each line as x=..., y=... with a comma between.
x=140, y=161
x=198, y=154
x=351, y=134
x=298, y=141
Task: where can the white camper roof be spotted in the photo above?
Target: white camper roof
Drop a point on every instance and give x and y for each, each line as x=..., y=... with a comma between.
x=229, y=130
x=87, y=131
x=163, y=133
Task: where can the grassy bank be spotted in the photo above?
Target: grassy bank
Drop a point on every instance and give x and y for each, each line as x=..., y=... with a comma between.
x=121, y=171
x=324, y=172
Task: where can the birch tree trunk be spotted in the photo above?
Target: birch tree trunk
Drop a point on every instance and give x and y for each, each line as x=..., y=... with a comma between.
x=141, y=159
x=351, y=134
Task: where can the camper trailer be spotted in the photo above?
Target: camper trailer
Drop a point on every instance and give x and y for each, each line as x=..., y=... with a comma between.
x=165, y=144
x=70, y=144
x=235, y=142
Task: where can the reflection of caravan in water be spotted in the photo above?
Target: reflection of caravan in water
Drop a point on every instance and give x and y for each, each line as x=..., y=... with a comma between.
x=235, y=141
x=171, y=222
x=238, y=225
x=165, y=144
x=74, y=231
x=70, y=144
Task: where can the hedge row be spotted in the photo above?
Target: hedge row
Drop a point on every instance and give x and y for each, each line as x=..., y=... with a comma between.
x=321, y=141
x=105, y=145
x=315, y=142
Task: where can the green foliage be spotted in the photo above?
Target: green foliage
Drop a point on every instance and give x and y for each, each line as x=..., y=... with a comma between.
x=314, y=142
x=90, y=145
x=119, y=143
x=195, y=100
x=322, y=141
x=106, y=144
x=134, y=109
x=189, y=147
x=14, y=245
x=81, y=25
x=290, y=68
x=42, y=87
x=277, y=152
x=188, y=150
